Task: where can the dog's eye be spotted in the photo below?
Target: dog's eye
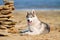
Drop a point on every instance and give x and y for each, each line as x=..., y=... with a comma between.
x=26, y=16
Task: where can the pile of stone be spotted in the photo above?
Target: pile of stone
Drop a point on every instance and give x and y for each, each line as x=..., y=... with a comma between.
x=6, y=24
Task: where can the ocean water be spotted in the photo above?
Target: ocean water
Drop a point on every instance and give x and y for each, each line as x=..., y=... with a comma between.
x=36, y=4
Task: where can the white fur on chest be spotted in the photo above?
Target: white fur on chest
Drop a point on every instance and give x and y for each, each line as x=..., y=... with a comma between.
x=36, y=25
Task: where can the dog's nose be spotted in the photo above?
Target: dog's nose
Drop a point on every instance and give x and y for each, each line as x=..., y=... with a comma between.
x=28, y=20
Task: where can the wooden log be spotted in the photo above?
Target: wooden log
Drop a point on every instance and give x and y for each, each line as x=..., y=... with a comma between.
x=6, y=11
x=0, y=13
x=4, y=32
x=12, y=8
x=2, y=27
x=6, y=7
x=9, y=26
x=13, y=30
x=2, y=19
x=10, y=2
x=5, y=16
x=8, y=22
x=0, y=22
x=1, y=7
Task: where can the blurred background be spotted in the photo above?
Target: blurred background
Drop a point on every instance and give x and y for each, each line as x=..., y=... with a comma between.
x=36, y=4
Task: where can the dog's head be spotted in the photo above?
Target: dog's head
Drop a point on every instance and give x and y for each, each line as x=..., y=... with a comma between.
x=30, y=17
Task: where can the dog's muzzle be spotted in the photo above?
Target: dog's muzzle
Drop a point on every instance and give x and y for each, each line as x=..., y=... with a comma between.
x=29, y=22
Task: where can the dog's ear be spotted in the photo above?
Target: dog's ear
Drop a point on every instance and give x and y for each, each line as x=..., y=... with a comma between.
x=27, y=13
x=33, y=12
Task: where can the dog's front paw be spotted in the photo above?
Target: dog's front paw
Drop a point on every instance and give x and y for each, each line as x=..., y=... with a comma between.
x=22, y=32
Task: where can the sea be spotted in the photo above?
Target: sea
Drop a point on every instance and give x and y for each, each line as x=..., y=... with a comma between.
x=36, y=4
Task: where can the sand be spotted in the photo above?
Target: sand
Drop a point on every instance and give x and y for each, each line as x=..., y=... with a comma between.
x=51, y=17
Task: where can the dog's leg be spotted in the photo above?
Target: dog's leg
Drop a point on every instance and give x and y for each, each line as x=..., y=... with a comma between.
x=25, y=30
x=33, y=32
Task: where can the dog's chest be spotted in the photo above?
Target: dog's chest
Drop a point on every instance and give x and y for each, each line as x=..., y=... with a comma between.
x=35, y=27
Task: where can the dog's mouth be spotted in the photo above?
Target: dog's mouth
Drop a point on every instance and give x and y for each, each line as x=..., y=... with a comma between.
x=29, y=22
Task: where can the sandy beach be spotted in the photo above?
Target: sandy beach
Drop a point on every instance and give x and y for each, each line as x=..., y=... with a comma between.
x=13, y=21
x=51, y=17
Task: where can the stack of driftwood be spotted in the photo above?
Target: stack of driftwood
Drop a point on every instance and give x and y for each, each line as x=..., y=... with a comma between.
x=6, y=25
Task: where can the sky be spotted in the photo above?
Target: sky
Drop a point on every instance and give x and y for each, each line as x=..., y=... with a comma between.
x=36, y=3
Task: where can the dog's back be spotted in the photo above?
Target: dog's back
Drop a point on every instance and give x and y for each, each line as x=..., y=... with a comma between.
x=46, y=27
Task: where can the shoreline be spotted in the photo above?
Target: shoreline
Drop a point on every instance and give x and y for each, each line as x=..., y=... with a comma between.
x=18, y=10
x=38, y=9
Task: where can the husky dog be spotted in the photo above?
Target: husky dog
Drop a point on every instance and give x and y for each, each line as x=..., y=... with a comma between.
x=35, y=26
